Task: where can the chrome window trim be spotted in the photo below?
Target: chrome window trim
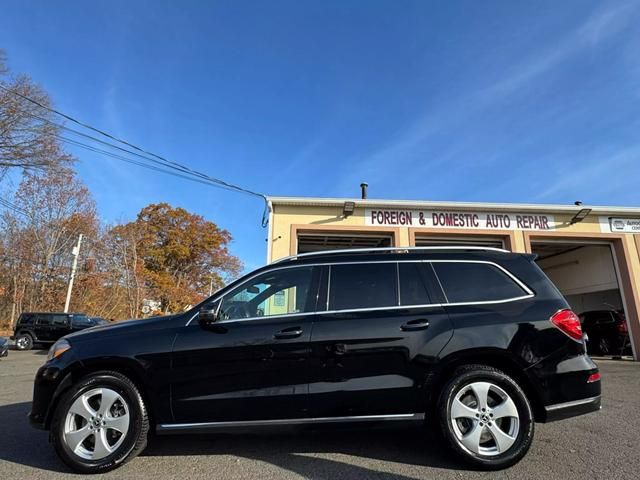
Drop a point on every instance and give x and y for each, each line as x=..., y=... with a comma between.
x=574, y=403
x=522, y=285
x=167, y=427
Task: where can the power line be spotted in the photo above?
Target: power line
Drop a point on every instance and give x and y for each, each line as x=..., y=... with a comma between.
x=111, y=145
x=165, y=162
x=13, y=206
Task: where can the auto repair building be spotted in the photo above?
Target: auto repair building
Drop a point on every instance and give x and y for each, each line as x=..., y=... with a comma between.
x=591, y=253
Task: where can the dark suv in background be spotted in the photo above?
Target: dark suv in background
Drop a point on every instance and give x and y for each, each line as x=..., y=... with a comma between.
x=46, y=327
x=607, y=332
x=477, y=341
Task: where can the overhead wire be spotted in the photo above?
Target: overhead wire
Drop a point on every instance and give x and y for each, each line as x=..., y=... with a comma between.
x=185, y=171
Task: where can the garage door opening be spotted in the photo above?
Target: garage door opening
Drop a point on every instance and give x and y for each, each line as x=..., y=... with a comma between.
x=587, y=275
x=317, y=242
x=466, y=240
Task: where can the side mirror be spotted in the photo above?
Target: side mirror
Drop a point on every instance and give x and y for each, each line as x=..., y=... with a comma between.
x=207, y=315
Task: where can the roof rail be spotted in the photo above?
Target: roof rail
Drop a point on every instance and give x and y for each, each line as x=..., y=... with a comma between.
x=389, y=249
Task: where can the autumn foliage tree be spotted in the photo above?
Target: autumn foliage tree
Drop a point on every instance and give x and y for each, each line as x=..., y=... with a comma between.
x=53, y=208
x=173, y=256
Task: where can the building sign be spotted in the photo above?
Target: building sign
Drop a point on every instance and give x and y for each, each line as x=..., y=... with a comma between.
x=620, y=225
x=465, y=220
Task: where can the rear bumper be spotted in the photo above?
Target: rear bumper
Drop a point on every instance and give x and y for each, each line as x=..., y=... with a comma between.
x=560, y=411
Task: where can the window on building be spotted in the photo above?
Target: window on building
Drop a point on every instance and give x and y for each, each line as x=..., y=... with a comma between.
x=362, y=285
x=475, y=282
x=413, y=284
x=279, y=292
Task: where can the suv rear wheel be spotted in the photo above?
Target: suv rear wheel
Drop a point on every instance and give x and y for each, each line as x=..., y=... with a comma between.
x=24, y=341
x=100, y=423
x=486, y=417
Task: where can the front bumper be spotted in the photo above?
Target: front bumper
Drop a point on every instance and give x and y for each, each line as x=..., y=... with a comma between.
x=49, y=384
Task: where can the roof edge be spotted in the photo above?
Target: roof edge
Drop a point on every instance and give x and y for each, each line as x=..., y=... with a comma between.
x=440, y=205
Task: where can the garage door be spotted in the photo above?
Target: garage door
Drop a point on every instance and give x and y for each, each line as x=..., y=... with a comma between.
x=466, y=240
x=316, y=242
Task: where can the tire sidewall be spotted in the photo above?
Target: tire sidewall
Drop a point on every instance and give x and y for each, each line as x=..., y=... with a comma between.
x=526, y=421
x=135, y=407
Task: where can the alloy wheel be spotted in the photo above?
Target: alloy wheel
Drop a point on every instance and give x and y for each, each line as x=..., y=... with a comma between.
x=485, y=419
x=96, y=424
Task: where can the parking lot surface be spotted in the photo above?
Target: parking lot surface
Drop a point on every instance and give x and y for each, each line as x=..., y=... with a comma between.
x=604, y=445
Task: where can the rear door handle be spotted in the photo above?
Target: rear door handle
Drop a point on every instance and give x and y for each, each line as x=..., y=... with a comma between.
x=419, y=324
x=293, y=332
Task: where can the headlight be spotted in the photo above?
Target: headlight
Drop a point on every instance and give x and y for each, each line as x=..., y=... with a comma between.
x=58, y=349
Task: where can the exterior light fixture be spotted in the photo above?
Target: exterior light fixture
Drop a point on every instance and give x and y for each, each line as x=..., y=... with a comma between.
x=348, y=208
x=581, y=215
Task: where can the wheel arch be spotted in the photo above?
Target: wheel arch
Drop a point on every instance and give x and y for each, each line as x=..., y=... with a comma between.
x=119, y=365
x=493, y=357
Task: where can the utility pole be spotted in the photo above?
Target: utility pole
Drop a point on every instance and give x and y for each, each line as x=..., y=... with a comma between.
x=75, y=252
x=211, y=285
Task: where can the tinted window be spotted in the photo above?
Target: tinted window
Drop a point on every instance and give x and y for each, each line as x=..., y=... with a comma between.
x=273, y=293
x=59, y=320
x=43, y=320
x=26, y=319
x=82, y=321
x=413, y=284
x=475, y=282
x=362, y=285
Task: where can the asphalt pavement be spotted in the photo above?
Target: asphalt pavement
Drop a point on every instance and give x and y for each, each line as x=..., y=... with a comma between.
x=603, y=445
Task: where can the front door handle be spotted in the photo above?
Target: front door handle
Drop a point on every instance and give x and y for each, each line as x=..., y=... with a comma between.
x=293, y=332
x=419, y=324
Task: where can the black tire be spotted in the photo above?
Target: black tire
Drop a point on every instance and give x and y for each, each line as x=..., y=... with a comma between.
x=461, y=380
x=135, y=439
x=24, y=341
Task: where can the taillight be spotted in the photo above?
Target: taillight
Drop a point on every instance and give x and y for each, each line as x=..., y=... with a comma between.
x=569, y=323
x=594, y=377
x=622, y=327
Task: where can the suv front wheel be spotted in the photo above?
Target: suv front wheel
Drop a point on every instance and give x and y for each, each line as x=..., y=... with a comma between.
x=100, y=423
x=486, y=417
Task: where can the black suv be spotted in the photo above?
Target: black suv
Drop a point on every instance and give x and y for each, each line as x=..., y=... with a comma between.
x=46, y=327
x=477, y=341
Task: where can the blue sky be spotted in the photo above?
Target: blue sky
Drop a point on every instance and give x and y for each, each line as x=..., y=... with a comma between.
x=474, y=101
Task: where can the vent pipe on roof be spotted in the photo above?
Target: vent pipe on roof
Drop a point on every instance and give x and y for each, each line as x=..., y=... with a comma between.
x=363, y=189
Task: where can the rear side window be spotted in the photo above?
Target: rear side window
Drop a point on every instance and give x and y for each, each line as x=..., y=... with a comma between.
x=43, y=320
x=58, y=320
x=363, y=285
x=475, y=282
x=413, y=284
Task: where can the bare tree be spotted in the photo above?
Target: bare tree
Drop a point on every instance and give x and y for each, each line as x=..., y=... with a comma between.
x=27, y=135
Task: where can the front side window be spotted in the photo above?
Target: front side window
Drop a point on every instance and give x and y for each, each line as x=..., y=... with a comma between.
x=279, y=292
x=363, y=285
x=476, y=282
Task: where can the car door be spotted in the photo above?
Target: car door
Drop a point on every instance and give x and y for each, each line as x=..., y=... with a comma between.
x=60, y=325
x=374, y=346
x=252, y=363
x=43, y=328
